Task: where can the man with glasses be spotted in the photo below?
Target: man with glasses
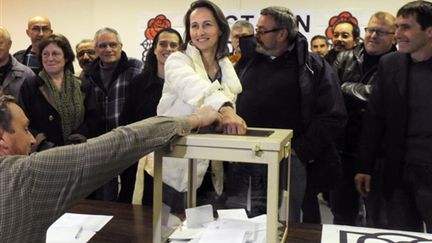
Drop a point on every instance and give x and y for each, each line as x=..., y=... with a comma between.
x=106, y=84
x=398, y=124
x=38, y=28
x=356, y=69
x=285, y=86
x=86, y=53
x=346, y=36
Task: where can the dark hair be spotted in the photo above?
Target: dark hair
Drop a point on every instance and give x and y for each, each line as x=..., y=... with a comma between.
x=222, y=47
x=422, y=10
x=284, y=18
x=62, y=42
x=5, y=113
x=355, y=27
x=150, y=64
x=320, y=37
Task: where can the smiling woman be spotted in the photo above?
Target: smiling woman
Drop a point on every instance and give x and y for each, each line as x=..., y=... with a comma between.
x=146, y=89
x=201, y=75
x=53, y=100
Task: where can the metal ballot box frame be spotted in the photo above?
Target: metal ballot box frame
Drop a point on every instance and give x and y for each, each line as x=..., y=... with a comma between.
x=259, y=145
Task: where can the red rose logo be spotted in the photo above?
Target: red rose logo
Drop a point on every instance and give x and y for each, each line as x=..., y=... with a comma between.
x=156, y=24
x=342, y=17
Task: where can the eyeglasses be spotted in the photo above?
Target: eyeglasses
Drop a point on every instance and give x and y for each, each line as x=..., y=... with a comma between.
x=110, y=44
x=88, y=52
x=262, y=32
x=54, y=54
x=378, y=32
x=38, y=29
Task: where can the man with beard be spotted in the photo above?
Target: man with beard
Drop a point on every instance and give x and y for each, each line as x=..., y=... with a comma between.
x=346, y=36
x=86, y=53
x=39, y=27
x=285, y=86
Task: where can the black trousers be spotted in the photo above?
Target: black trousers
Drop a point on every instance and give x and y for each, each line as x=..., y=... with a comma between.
x=344, y=199
x=411, y=205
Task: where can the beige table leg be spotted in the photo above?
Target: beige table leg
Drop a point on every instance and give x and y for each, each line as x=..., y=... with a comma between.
x=157, y=197
x=272, y=201
x=192, y=183
x=288, y=188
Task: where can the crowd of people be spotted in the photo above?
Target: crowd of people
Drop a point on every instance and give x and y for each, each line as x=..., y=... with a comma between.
x=358, y=108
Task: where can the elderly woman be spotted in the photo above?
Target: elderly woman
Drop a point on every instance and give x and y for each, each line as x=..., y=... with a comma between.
x=53, y=100
x=201, y=75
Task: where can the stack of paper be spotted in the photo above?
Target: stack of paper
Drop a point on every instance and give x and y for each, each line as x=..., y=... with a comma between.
x=232, y=226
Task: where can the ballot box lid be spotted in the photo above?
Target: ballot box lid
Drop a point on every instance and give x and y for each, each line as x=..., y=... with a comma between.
x=263, y=138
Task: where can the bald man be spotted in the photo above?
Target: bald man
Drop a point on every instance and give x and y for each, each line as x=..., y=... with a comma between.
x=38, y=28
x=12, y=73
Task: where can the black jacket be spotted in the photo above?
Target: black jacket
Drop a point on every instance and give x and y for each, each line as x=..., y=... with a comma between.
x=145, y=91
x=104, y=106
x=357, y=80
x=322, y=106
x=39, y=108
x=385, y=121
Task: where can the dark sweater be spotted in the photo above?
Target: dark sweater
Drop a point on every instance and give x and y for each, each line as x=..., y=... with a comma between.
x=271, y=96
x=419, y=128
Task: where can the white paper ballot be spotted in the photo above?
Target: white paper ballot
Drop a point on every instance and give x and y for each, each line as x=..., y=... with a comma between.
x=224, y=235
x=232, y=214
x=199, y=216
x=72, y=227
x=72, y=234
x=184, y=233
x=242, y=225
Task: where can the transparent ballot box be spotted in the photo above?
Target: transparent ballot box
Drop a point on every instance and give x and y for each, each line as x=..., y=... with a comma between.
x=259, y=145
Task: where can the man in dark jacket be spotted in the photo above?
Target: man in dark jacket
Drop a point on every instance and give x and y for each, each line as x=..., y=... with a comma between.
x=398, y=123
x=39, y=27
x=106, y=84
x=12, y=73
x=356, y=69
x=286, y=87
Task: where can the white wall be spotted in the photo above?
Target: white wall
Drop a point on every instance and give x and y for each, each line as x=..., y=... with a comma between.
x=78, y=19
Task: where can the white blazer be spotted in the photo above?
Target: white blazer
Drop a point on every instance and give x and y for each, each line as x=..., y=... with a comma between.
x=186, y=89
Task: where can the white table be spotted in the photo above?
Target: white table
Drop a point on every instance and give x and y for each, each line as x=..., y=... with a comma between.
x=261, y=146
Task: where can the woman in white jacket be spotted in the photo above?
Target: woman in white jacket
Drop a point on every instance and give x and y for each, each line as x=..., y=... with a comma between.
x=201, y=75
